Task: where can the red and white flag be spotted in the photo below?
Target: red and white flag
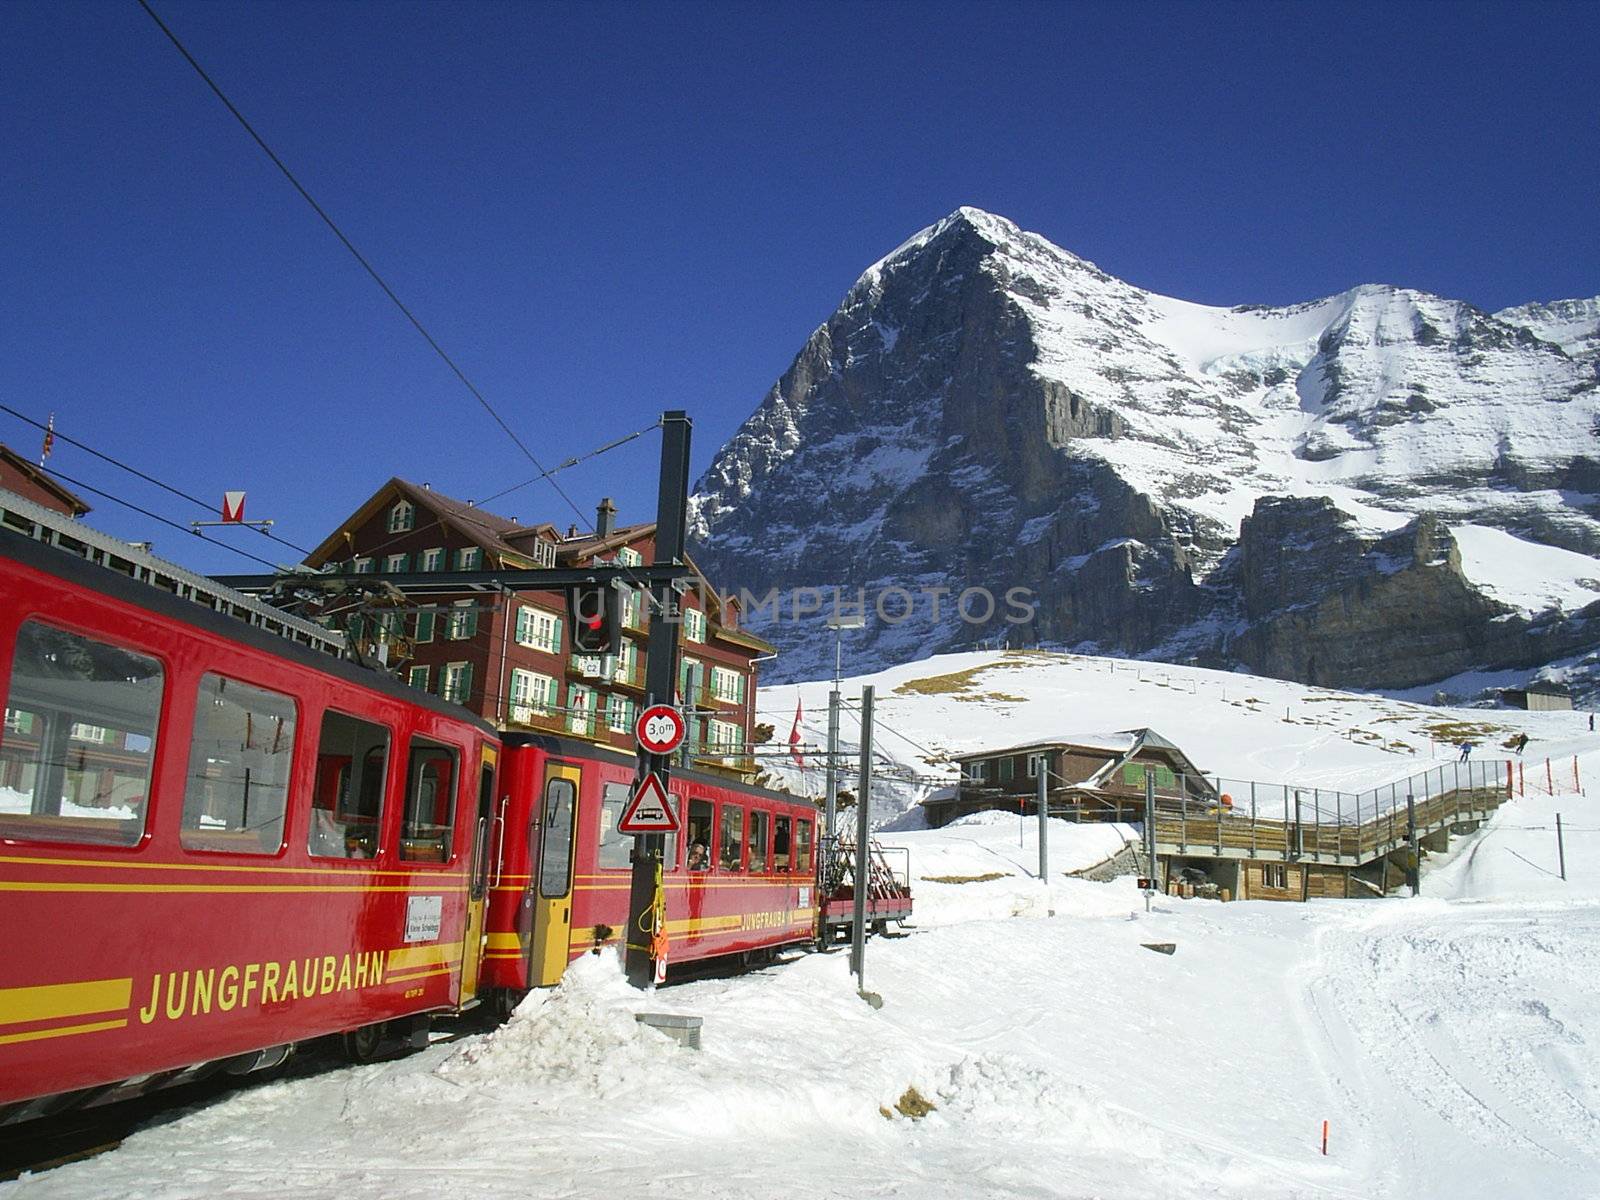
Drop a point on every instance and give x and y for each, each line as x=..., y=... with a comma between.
x=232, y=508
x=794, y=737
x=49, y=439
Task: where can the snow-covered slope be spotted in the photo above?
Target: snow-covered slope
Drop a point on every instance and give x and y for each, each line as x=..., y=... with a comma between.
x=1445, y=1040
x=988, y=409
x=1238, y=727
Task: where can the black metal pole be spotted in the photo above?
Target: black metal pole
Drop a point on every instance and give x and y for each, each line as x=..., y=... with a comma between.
x=858, y=925
x=661, y=659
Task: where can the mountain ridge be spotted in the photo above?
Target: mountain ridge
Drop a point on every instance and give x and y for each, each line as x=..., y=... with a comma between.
x=984, y=407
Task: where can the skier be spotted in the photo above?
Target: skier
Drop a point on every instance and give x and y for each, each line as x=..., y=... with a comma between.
x=1466, y=751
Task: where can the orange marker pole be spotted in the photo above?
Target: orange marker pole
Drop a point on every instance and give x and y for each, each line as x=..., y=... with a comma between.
x=1324, y=1137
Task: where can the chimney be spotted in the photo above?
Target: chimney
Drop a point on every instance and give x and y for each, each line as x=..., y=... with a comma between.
x=605, y=518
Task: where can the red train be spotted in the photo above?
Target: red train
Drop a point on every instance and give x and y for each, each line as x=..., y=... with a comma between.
x=216, y=842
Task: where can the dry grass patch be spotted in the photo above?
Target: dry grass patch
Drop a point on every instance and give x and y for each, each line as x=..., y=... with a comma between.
x=985, y=878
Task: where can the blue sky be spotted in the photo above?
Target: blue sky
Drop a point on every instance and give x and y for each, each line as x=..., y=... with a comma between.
x=605, y=210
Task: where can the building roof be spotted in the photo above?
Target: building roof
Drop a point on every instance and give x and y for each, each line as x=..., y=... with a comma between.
x=41, y=479
x=497, y=534
x=1120, y=747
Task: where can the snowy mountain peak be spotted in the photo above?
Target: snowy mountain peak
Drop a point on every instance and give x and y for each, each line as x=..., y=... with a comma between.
x=985, y=408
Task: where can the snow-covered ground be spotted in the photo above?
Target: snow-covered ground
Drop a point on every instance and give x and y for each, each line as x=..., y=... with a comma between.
x=1239, y=727
x=1448, y=1040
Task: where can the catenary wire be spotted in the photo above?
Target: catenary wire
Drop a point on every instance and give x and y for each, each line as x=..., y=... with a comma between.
x=103, y=457
x=157, y=517
x=360, y=258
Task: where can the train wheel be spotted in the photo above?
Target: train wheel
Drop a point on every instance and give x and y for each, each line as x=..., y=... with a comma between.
x=503, y=1002
x=362, y=1045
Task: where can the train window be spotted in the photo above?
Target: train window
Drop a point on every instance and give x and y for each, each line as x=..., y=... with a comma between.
x=430, y=813
x=237, y=788
x=802, y=846
x=730, y=857
x=556, y=839
x=758, y=840
x=347, y=803
x=700, y=831
x=78, y=739
x=616, y=849
x=780, y=843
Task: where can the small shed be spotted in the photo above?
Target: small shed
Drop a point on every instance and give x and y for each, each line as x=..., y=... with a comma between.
x=1091, y=777
x=1539, y=696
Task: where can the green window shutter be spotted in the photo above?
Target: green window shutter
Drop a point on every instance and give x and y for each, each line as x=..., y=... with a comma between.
x=424, y=627
x=472, y=623
x=1132, y=773
x=557, y=647
x=466, y=685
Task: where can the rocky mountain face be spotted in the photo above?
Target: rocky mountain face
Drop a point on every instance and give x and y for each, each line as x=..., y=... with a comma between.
x=1282, y=489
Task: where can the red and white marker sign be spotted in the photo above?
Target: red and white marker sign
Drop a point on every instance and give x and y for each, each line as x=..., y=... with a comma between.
x=648, y=811
x=659, y=729
x=232, y=507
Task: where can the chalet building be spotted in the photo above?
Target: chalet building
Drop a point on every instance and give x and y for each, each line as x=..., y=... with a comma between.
x=510, y=658
x=1092, y=777
x=21, y=477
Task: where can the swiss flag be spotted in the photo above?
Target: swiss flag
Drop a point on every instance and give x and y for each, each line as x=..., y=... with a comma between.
x=794, y=737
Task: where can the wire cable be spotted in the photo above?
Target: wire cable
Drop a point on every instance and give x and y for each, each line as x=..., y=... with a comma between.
x=157, y=517
x=103, y=457
x=359, y=257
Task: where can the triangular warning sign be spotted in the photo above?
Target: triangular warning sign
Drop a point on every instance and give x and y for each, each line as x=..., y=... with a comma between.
x=648, y=811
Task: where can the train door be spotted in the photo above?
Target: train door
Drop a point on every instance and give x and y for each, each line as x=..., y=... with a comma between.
x=551, y=885
x=478, y=882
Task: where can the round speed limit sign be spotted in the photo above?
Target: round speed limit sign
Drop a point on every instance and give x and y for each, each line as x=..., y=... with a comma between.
x=659, y=729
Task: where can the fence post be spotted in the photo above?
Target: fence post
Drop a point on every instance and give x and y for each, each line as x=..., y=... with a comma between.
x=1183, y=814
x=1252, y=818
x=1549, y=779
x=1299, y=829
x=1219, y=816
x=1414, y=860
x=1561, y=848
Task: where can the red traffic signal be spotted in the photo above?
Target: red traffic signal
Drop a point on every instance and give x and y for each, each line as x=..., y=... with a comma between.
x=596, y=610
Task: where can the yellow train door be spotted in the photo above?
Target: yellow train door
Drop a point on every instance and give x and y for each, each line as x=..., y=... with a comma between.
x=551, y=886
x=478, y=883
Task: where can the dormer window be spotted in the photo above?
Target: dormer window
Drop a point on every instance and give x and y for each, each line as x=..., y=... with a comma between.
x=544, y=553
x=402, y=516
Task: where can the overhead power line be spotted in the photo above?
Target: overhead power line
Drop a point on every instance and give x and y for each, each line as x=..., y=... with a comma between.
x=366, y=265
x=145, y=512
x=167, y=487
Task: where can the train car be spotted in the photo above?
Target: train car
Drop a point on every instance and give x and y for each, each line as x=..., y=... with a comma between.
x=214, y=842
x=740, y=878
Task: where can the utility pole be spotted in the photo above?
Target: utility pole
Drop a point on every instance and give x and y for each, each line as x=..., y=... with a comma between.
x=1149, y=835
x=858, y=924
x=830, y=811
x=672, y=506
x=1044, y=818
x=1414, y=854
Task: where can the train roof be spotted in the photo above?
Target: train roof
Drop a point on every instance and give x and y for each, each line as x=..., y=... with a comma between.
x=82, y=572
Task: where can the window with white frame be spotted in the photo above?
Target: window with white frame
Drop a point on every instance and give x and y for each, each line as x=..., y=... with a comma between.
x=632, y=609
x=362, y=566
x=726, y=738
x=431, y=559
x=455, y=682
x=396, y=563
x=417, y=677
x=619, y=713
x=544, y=553
x=627, y=556
x=727, y=685
x=625, y=664
x=691, y=679
x=402, y=517
x=532, y=694
x=580, y=709
x=423, y=629
x=694, y=625
x=469, y=558
x=463, y=620
x=976, y=772
x=538, y=629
